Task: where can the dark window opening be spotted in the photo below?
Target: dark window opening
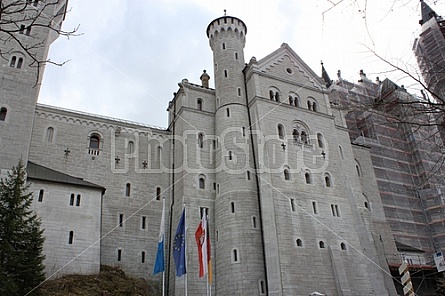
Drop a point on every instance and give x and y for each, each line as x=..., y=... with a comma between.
x=127, y=189
x=321, y=244
x=119, y=255
x=78, y=200
x=19, y=63
x=143, y=222
x=71, y=238
x=232, y=207
x=299, y=243
x=72, y=199
x=3, y=112
x=158, y=193
x=41, y=192
x=201, y=183
x=121, y=220
x=143, y=257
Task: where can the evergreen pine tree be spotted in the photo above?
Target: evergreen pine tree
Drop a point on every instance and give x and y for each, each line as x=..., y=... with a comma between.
x=21, y=239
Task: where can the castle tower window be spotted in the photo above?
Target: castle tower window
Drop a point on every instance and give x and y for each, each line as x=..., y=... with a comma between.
x=121, y=220
x=286, y=175
x=22, y=29
x=235, y=256
x=78, y=200
x=225, y=73
x=200, y=140
x=262, y=287
x=236, y=55
x=202, y=183
x=280, y=131
x=314, y=207
x=304, y=137
x=119, y=255
x=28, y=31
x=272, y=95
x=295, y=135
x=127, y=189
x=327, y=180
x=223, y=46
x=239, y=92
x=230, y=155
x=19, y=63
x=72, y=199
x=321, y=244
x=49, y=134
x=314, y=107
x=248, y=175
x=158, y=193
x=292, y=204
x=41, y=192
x=3, y=112
x=71, y=238
x=341, y=152
x=254, y=222
x=296, y=102
x=291, y=101
x=143, y=222
x=13, y=61
x=307, y=177
x=232, y=207
x=343, y=246
x=244, y=131
x=320, y=140
x=277, y=97
x=143, y=257
x=130, y=147
x=199, y=104
x=299, y=243
x=94, y=144
x=228, y=112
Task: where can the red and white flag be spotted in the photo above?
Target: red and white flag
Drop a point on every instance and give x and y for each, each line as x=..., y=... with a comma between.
x=203, y=241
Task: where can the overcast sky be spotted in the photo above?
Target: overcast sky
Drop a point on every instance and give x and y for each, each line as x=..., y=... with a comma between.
x=133, y=53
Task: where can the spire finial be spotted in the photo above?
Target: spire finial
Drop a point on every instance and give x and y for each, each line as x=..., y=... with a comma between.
x=225, y=12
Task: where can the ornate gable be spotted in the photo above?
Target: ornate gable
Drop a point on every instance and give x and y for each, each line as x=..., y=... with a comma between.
x=285, y=64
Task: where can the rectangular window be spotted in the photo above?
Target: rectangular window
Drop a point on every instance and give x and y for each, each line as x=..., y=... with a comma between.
x=314, y=207
x=214, y=186
x=119, y=255
x=335, y=210
x=143, y=222
x=121, y=220
x=292, y=204
x=143, y=257
x=202, y=211
x=78, y=200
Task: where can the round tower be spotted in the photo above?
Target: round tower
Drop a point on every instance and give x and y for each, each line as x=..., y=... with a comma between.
x=240, y=266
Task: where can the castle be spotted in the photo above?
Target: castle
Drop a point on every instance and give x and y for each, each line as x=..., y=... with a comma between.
x=302, y=194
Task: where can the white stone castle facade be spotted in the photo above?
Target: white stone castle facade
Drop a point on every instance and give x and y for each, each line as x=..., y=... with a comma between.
x=294, y=206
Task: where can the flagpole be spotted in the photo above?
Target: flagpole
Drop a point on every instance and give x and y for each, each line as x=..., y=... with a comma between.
x=163, y=217
x=206, y=237
x=185, y=246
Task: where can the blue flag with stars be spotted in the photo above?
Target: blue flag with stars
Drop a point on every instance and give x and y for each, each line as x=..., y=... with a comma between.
x=179, y=247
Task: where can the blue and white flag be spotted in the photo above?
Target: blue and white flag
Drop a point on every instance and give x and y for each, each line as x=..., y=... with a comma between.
x=159, y=262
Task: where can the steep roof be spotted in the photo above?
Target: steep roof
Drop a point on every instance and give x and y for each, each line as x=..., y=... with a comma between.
x=38, y=172
x=427, y=12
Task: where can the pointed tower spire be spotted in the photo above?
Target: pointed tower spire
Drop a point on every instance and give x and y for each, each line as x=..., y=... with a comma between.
x=325, y=76
x=427, y=12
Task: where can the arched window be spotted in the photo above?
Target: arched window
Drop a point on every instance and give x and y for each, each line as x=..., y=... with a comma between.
x=291, y=101
x=295, y=135
x=19, y=63
x=327, y=180
x=130, y=147
x=41, y=192
x=49, y=134
x=72, y=199
x=297, y=102
x=127, y=189
x=277, y=97
x=200, y=140
x=343, y=246
x=94, y=142
x=271, y=95
x=78, y=200
x=341, y=152
x=307, y=177
x=314, y=107
x=299, y=242
x=304, y=137
x=309, y=105
x=158, y=193
x=321, y=244
x=13, y=61
x=366, y=205
x=358, y=169
x=286, y=175
x=320, y=140
x=280, y=131
x=202, y=183
x=3, y=112
x=199, y=104
x=71, y=238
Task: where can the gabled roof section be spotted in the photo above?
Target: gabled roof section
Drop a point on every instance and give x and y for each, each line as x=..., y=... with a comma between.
x=285, y=58
x=38, y=172
x=427, y=12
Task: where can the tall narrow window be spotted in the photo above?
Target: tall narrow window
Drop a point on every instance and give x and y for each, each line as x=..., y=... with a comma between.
x=236, y=55
x=314, y=107
x=286, y=175
x=271, y=95
x=235, y=255
x=291, y=100
x=314, y=207
x=72, y=199
x=158, y=193
x=121, y=220
x=343, y=246
x=3, y=112
x=143, y=257
x=199, y=104
x=228, y=112
x=143, y=222
x=253, y=222
x=307, y=177
x=119, y=255
x=357, y=168
x=327, y=180
x=292, y=204
x=71, y=238
x=341, y=152
x=49, y=134
x=19, y=63
x=13, y=61
x=223, y=46
x=239, y=92
x=232, y=207
x=78, y=200
x=262, y=287
x=230, y=155
x=202, y=183
x=248, y=175
x=200, y=140
x=320, y=140
x=41, y=192
x=225, y=73
x=244, y=131
x=127, y=189
x=304, y=137
x=94, y=144
x=280, y=131
x=130, y=147
x=277, y=97
x=309, y=105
